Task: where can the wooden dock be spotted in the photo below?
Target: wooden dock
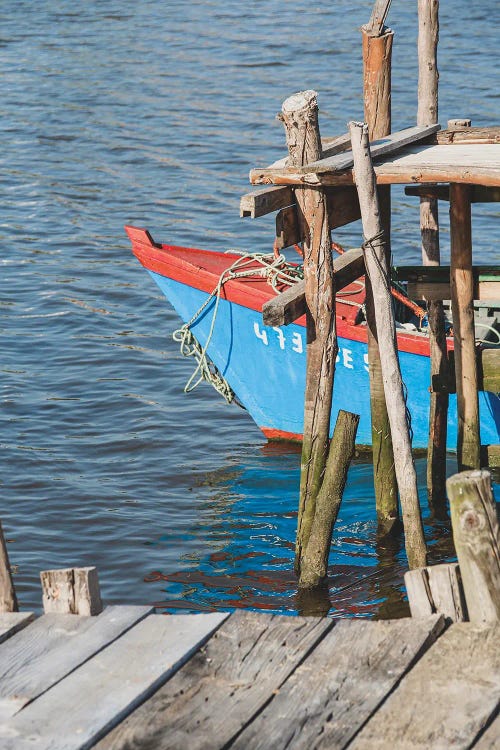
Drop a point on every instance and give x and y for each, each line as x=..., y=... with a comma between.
x=129, y=678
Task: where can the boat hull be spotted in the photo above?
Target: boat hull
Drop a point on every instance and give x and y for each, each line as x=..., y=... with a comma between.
x=266, y=369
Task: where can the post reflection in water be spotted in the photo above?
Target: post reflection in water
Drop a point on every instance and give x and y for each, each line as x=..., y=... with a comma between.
x=246, y=527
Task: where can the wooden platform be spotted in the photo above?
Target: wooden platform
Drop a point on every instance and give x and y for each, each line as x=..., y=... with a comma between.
x=132, y=679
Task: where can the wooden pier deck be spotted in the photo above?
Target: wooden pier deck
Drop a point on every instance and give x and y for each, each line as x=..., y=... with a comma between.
x=130, y=678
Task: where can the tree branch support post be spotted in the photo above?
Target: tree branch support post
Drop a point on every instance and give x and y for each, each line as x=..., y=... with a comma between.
x=299, y=115
x=377, y=270
x=314, y=565
x=8, y=599
x=427, y=114
x=377, y=54
x=477, y=542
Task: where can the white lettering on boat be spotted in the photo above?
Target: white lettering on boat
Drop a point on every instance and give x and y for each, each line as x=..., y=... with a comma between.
x=262, y=335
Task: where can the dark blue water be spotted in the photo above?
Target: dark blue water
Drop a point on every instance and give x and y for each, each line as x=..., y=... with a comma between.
x=152, y=113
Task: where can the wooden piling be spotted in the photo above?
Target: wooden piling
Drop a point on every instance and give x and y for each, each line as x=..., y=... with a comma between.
x=314, y=565
x=427, y=114
x=377, y=54
x=476, y=534
x=377, y=270
x=8, y=598
x=71, y=591
x=462, y=306
x=299, y=115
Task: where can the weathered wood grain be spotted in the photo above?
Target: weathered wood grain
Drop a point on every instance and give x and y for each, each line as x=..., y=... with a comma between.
x=446, y=699
x=463, y=163
x=462, y=305
x=375, y=25
x=476, y=534
x=343, y=208
x=71, y=591
x=436, y=589
x=339, y=686
x=377, y=70
x=467, y=134
x=378, y=272
x=223, y=686
x=52, y=647
x=479, y=193
x=490, y=740
x=264, y=201
x=390, y=144
x=291, y=304
x=12, y=622
x=8, y=599
x=77, y=711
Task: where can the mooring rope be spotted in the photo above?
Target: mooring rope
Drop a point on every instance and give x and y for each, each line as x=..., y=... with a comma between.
x=275, y=269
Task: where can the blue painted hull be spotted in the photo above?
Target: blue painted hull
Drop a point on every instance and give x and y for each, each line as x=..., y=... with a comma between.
x=266, y=369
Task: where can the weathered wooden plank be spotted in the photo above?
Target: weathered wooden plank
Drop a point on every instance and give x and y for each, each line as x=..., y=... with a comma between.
x=339, y=686
x=12, y=622
x=483, y=291
x=446, y=699
x=464, y=164
x=479, y=193
x=223, y=686
x=490, y=740
x=77, y=711
x=264, y=201
x=52, y=647
x=390, y=144
x=291, y=304
x=459, y=135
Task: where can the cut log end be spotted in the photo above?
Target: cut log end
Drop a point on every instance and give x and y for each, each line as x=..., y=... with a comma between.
x=299, y=101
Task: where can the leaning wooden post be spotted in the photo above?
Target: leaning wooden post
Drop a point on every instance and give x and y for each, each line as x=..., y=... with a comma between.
x=427, y=114
x=376, y=267
x=299, y=115
x=8, y=599
x=477, y=542
x=314, y=566
x=377, y=53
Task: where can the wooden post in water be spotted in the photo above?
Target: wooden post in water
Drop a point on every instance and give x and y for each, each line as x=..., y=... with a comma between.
x=462, y=307
x=299, y=115
x=427, y=114
x=377, y=270
x=8, y=599
x=377, y=52
x=477, y=542
x=314, y=565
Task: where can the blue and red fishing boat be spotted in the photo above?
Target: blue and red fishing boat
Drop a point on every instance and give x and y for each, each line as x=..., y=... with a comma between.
x=219, y=297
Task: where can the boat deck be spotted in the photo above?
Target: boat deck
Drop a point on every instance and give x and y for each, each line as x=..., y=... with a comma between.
x=130, y=678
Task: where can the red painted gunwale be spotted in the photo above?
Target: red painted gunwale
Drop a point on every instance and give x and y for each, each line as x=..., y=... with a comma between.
x=201, y=269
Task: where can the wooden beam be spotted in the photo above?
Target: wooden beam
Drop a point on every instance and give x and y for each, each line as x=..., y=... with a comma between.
x=264, y=201
x=8, y=598
x=291, y=304
x=479, y=193
x=343, y=208
x=460, y=134
x=433, y=282
x=488, y=361
x=436, y=590
x=390, y=144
